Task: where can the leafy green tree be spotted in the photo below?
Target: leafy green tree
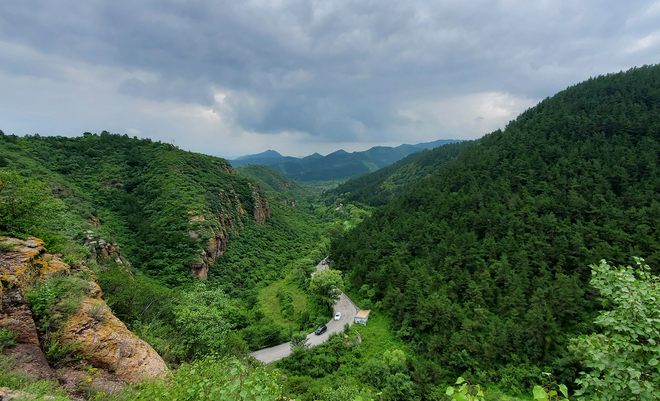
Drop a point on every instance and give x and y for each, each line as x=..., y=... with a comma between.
x=623, y=358
x=299, y=340
x=396, y=360
x=26, y=205
x=343, y=393
x=327, y=285
x=374, y=372
x=400, y=388
x=200, y=319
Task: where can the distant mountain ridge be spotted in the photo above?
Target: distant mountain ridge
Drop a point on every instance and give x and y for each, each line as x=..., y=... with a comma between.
x=379, y=187
x=337, y=165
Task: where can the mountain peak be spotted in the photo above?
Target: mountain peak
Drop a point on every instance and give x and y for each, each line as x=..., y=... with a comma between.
x=269, y=154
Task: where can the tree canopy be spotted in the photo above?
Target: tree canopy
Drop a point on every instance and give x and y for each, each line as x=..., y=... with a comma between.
x=483, y=265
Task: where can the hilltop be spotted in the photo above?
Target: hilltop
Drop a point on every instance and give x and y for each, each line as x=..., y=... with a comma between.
x=339, y=165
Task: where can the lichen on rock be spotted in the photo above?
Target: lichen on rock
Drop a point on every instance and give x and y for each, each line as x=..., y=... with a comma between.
x=99, y=337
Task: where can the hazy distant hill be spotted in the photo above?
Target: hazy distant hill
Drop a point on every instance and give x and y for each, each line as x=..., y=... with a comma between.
x=337, y=165
x=379, y=187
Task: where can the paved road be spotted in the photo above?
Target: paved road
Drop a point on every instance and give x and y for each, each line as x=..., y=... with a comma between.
x=348, y=312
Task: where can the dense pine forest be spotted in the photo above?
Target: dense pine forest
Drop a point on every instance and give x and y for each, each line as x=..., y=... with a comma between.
x=483, y=266
x=479, y=260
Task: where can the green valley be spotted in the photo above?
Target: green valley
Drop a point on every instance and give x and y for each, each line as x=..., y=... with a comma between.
x=479, y=260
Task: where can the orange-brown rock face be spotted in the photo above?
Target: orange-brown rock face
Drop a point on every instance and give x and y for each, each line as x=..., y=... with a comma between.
x=103, y=340
x=261, y=206
x=219, y=234
x=16, y=269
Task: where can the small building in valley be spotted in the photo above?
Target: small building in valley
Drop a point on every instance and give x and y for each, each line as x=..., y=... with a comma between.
x=362, y=316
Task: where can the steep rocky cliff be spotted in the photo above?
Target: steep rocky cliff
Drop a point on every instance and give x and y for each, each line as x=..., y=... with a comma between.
x=261, y=206
x=78, y=322
x=213, y=228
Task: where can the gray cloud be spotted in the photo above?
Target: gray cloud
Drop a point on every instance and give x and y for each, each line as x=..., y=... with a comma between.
x=335, y=71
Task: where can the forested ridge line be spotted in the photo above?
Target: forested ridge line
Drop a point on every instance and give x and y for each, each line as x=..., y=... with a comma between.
x=381, y=186
x=483, y=265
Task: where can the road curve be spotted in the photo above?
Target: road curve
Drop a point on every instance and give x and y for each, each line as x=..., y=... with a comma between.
x=344, y=305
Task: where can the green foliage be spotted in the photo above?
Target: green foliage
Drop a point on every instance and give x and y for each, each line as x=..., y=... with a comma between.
x=26, y=205
x=622, y=360
x=7, y=339
x=314, y=372
x=58, y=352
x=213, y=378
x=19, y=380
x=286, y=302
x=552, y=391
x=299, y=340
x=201, y=321
x=273, y=181
x=326, y=286
x=52, y=300
x=465, y=391
x=142, y=191
x=482, y=265
x=344, y=393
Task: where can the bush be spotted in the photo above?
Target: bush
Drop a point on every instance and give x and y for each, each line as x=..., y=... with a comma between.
x=200, y=321
x=213, y=378
x=26, y=205
x=623, y=359
x=54, y=299
x=7, y=339
x=18, y=380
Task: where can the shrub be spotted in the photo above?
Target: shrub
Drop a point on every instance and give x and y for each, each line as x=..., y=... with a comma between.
x=26, y=205
x=7, y=339
x=22, y=381
x=623, y=359
x=98, y=311
x=213, y=378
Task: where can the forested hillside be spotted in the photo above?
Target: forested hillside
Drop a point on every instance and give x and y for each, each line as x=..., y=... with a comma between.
x=483, y=267
x=169, y=233
x=381, y=186
x=272, y=180
x=171, y=211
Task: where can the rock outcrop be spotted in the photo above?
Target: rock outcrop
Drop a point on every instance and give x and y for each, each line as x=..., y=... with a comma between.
x=213, y=229
x=101, y=249
x=261, y=206
x=105, y=342
x=100, y=338
x=16, y=271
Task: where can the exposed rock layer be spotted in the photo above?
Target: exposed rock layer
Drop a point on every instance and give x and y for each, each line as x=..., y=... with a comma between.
x=102, y=340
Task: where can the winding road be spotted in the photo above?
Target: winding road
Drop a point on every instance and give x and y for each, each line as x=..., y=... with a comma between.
x=344, y=305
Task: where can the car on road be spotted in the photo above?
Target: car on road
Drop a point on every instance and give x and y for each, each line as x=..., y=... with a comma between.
x=322, y=329
x=337, y=315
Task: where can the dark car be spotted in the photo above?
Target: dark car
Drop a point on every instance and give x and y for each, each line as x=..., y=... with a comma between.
x=322, y=329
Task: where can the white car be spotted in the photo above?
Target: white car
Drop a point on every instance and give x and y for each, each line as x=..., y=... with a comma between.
x=337, y=315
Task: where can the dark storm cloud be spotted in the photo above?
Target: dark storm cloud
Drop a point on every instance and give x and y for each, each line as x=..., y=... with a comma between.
x=338, y=70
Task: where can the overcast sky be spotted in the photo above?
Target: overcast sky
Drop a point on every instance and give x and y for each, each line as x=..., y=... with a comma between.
x=230, y=78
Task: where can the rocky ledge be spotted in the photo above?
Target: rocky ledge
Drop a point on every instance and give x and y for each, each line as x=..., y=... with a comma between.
x=97, y=336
